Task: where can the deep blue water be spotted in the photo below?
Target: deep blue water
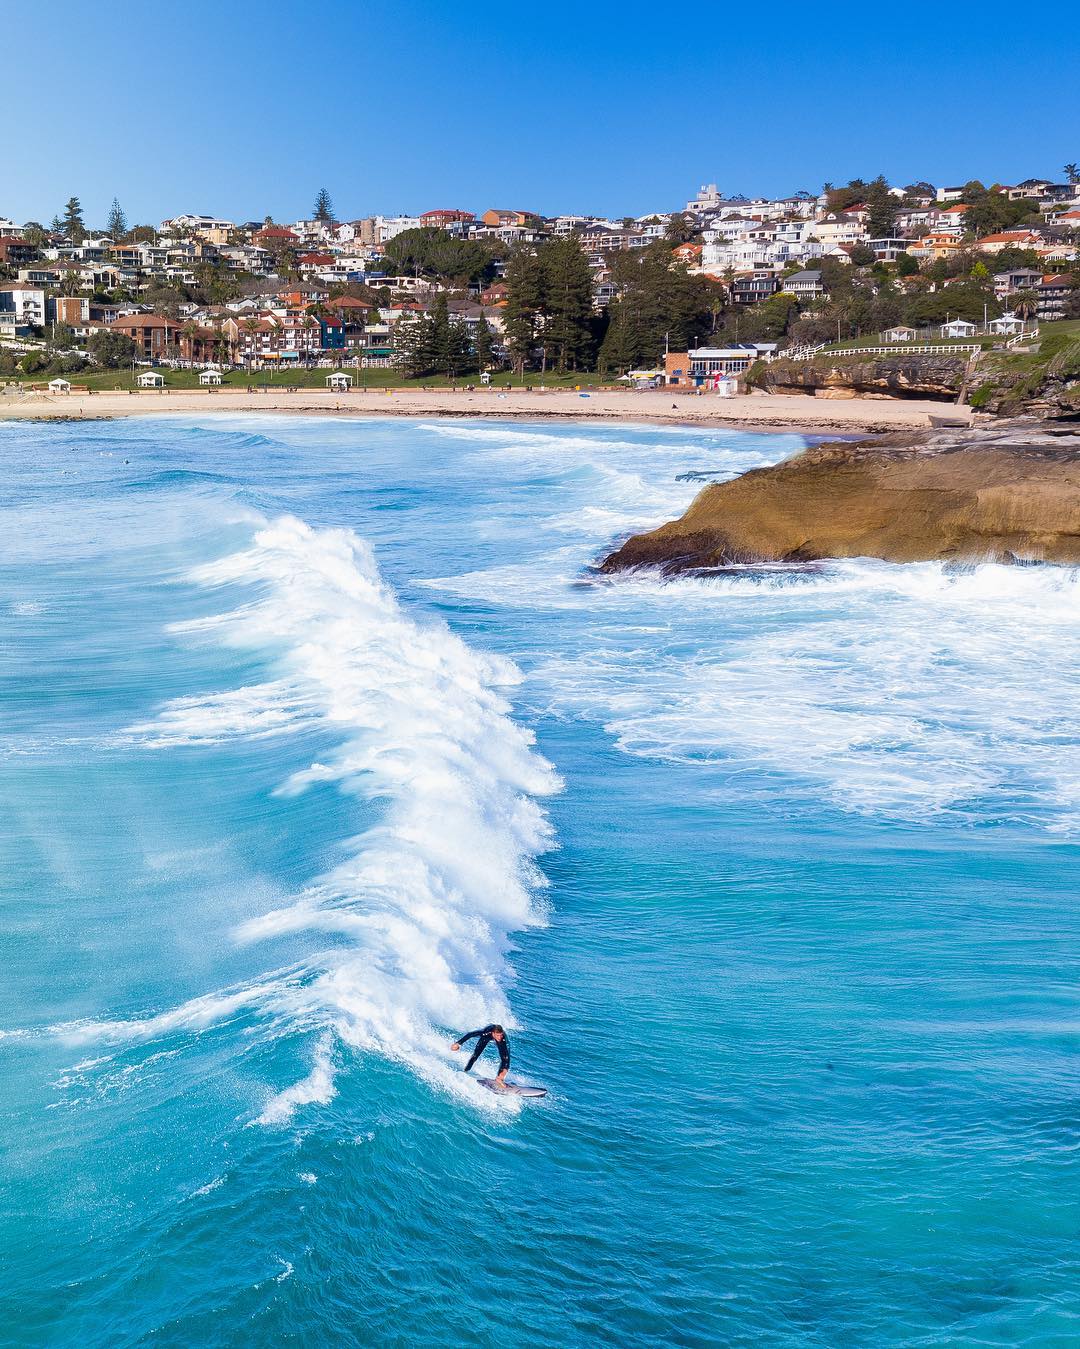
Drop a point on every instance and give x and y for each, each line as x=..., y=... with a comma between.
x=321, y=742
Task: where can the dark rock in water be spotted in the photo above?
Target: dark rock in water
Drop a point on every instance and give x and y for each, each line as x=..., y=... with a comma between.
x=1003, y=495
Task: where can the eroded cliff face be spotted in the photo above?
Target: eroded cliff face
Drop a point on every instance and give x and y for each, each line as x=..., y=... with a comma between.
x=892, y=376
x=1003, y=495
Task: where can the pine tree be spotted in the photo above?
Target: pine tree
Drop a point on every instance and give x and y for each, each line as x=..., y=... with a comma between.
x=483, y=346
x=413, y=352
x=568, y=304
x=116, y=225
x=622, y=341
x=440, y=335
x=74, y=226
x=324, y=207
x=883, y=208
x=523, y=323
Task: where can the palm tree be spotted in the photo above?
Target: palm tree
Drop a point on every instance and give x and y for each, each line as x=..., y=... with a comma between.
x=251, y=327
x=1025, y=304
x=187, y=332
x=1071, y=173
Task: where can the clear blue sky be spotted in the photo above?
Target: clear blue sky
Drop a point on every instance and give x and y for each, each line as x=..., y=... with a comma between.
x=245, y=109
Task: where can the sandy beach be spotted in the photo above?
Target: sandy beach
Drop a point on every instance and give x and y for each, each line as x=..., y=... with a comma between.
x=802, y=411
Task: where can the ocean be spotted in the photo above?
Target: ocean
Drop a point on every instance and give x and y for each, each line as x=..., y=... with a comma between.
x=323, y=742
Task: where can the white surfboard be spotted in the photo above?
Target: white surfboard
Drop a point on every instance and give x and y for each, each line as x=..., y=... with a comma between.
x=511, y=1088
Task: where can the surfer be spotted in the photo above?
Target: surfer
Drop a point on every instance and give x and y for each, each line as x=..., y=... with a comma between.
x=483, y=1038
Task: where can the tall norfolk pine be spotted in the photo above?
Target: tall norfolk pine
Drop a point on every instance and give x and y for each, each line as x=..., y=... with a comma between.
x=549, y=313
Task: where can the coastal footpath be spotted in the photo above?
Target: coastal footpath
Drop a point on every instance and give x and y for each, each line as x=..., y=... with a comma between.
x=794, y=412
x=1007, y=494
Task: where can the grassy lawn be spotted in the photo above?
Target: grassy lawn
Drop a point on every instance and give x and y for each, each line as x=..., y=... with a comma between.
x=986, y=342
x=110, y=380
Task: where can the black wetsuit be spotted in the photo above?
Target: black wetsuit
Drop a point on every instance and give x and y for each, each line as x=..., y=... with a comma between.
x=482, y=1044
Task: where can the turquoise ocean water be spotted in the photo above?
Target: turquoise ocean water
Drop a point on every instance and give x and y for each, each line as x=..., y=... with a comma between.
x=321, y=742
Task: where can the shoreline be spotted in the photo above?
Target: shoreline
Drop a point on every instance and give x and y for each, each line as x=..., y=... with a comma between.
x=787, y=412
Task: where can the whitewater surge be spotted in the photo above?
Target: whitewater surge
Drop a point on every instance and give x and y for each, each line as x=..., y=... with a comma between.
x=903, y=692
x=419, y=916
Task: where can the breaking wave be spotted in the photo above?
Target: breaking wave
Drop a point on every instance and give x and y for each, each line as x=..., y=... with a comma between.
x=418, y=918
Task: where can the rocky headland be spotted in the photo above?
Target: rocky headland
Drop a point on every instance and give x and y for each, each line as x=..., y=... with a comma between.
x=1006, y=494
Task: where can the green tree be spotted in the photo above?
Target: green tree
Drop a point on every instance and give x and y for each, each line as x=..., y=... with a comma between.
x=324, y=208
x=906, y=265
x=567, y=328
x=484, y=346
x=116, y=225
x=110, y=349
x=413, y=347
x=682, y=229
x=434, y=252
x=659, y=303
x=448, y=340
x=1072, y=173
x=73, y=225
x=526, y=283
x=34, y=234
x=883, y=208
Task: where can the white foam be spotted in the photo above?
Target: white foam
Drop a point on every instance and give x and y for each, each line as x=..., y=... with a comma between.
x=261, y=710
x=903, y=691
x=428, y=897
x=315, y=1089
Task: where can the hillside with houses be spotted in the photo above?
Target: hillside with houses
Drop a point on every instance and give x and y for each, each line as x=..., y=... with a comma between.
x=692, y=299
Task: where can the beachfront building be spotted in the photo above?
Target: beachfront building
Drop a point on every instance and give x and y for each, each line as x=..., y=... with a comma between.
x=59, y=386
x=710, y=364
x=900, y=333
x=1006, y=325
x=152, y=334
x=210, y=379
x=339, y=382
x=150, y=379
x=958, y=328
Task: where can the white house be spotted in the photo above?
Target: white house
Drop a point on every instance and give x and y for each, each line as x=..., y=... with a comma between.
x=210, y=377
x=59, y=386
x=1008, y=323
x=339, y=381
x=150, y=379
x=958, y=328
x=899, y=334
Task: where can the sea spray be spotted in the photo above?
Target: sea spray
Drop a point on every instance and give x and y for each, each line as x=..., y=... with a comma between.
x=419, y=915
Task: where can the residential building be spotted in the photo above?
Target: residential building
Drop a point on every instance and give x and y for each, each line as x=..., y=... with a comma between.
x=444, y=219
x=1019, y=278
x=752, y=287
x=15, y=251
x=1052, y=292
x=935, y=246
x=804, y=285
x=72, y=310
x=26, y=302
x=994, y=243
x=496, y=219
x=153, y=335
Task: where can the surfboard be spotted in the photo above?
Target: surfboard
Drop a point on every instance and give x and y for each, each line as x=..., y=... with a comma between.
x=511, y=1088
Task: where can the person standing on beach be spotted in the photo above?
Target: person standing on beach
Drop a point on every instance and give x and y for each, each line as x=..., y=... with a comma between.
x=483, y=1038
